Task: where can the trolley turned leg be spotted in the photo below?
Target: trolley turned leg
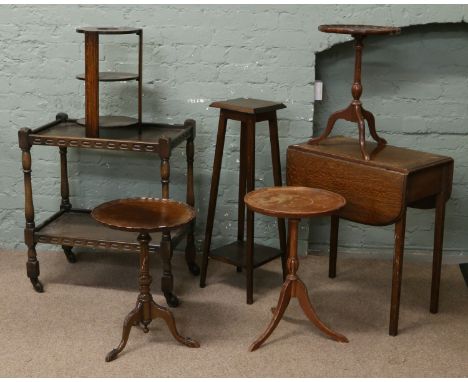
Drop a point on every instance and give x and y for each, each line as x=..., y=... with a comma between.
x=167, y=280
x=32, y=265
x=65, y=204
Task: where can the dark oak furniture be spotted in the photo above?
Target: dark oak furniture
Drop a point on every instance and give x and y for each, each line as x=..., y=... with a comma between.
x=464, y=271
x=248, y=111
x=93, y=76
x=355, y=112
x=378, y=193
x=72, y=227
x=145, y=215
x=293, y=203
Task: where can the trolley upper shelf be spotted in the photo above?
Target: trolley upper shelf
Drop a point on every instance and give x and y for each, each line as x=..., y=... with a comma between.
x=154, y=137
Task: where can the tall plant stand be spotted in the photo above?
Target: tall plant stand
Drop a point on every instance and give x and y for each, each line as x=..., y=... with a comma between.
x=248, y=112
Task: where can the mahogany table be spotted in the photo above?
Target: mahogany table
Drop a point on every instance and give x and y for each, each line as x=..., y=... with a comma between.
x=378, y=193
x=293, y=203
x=145, y=215
x=355, y=112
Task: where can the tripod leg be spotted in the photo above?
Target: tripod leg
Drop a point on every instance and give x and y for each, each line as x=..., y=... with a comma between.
x=303, y=297
x=362, y=132
x=340, y=114
x=132, y=318
x=330, y=124
x=369, y=117
x=283, y=302
x=161, y=312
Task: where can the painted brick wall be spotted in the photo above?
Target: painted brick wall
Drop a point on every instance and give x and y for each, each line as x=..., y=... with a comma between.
x=192, y=56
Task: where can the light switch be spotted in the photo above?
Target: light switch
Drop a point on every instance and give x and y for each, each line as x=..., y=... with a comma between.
x=318, y=90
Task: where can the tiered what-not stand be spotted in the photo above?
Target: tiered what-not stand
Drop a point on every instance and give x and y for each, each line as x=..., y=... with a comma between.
x=92, y=76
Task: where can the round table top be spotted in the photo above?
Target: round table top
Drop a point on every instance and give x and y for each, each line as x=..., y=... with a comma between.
x=108, y=30
x=294, y=202
x=143, y=214
x=359, y=29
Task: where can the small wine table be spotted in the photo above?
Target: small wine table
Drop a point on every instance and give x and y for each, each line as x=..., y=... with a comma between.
x=145, y=215
x=355, y=112
x=293, y=203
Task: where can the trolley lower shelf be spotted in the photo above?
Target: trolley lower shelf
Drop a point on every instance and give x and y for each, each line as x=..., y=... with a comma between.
x=76, y=228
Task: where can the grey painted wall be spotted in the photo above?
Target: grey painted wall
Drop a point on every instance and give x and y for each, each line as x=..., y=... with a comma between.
x=192, y=56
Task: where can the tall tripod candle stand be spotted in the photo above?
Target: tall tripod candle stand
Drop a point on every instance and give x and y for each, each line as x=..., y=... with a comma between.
x=355, y=112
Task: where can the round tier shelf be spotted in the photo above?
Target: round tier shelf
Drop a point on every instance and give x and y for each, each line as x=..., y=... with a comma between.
x=144, y=214
x=294, y=202
x=113, y=121
x=359, y=29
x=112, y=76
x=109, y=30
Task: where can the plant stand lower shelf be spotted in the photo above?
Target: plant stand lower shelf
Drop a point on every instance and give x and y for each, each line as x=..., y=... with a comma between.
x=71, y=227
x=234, y=254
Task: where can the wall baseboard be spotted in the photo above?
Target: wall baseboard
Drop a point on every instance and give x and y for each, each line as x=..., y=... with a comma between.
x=450, y=256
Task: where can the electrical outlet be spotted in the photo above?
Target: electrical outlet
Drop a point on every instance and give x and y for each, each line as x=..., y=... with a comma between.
x=318, y=90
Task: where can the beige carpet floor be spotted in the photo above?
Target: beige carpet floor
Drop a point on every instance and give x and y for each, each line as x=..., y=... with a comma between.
x=66, y=331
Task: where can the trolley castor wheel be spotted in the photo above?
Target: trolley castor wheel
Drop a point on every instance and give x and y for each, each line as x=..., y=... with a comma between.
x=194, y=269
x=37, y=285
x=71, y=257
x=171, y=299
